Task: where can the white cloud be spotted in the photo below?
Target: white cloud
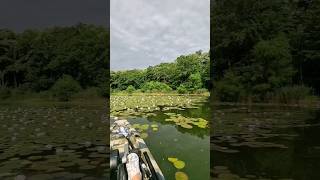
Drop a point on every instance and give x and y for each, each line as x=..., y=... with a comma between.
x=148, y=32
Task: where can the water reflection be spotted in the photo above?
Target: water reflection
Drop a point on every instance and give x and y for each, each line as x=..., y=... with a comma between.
x=265, y=142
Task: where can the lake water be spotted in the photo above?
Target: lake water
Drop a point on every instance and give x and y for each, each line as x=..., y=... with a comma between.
x=188, y=145
x=265, y=142
x=53, y=142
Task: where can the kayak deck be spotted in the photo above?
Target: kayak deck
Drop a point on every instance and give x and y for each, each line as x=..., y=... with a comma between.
x=121, y=143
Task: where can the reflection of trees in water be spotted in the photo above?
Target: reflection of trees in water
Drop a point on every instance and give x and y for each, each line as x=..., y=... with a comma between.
x=292, y=162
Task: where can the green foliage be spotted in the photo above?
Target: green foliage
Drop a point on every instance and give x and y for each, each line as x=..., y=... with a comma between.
x=270, y=68
x=201, y=91
x=293, y=94
x=194, y=82
x=265, y=46
x=35, y=59
x=65, y=88
x=182, y=89
x=191, y=70
x=154, y=86
x=120, y=80
x=130, y=89
x=229, y=89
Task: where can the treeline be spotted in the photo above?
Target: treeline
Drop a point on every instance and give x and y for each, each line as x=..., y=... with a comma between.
x=34, y=60
x=187, y=74
x=265, y=50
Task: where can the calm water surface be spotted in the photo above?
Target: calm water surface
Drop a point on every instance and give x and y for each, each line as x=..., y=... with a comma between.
x=265, y=142
x=188, y=145
x=53, y=142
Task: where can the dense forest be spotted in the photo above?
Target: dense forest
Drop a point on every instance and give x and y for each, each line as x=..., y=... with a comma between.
x=265, y=50
x=187, y=74
x=35, y=60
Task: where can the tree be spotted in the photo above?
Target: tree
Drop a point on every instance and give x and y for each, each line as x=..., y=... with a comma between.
x=182, y=89
x=194, y=82
x=154, y=86
x=130, y=89
x=270, y=67
x=65, y=88
x=191, y=70
x=265, y=43
x=230, y=88
x=34, y=60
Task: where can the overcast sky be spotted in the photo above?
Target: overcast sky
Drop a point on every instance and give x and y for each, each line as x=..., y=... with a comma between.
x=25, y=14
x=148, y=32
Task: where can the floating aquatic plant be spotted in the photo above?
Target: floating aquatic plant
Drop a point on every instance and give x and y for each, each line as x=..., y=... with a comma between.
x=154, y=125
x=151, y=114
x=177, y=163
x=141, y=127
x=144, y=126
x=186, y=122
x=143, y=135
x=170, y=114
x=181, y=176
x=48, y=139
x=172, y=159
x=125, y=106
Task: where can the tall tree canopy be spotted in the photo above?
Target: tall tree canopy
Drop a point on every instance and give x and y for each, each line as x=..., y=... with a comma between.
x=189, y=70
x=34, y=60
x=266, y=44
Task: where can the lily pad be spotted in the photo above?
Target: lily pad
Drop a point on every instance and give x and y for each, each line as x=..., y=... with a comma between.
x=181, y=176
x=187, y=126
x=154, y=125
x=143, y=135
x=179, y=164
x=168, y=120
x=187, y=122
x=151, y=114
x=171, y=159
x=144, y=127
x=170, y=114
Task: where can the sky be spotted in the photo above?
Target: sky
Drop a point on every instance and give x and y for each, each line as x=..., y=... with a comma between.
x=148, y=32
x=20, y=15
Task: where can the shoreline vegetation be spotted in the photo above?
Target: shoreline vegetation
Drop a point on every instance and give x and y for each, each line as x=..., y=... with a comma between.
x=308, y=100
x=265, y=51
x=35, y=66
x=59, y=62
x=172, y=93
x=188, y=74
x=176, y=85
x=303, y=104
x=37, y=100
x=47, y=98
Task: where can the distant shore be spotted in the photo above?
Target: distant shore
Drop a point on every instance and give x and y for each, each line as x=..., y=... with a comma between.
x=38, y=99
x=306, y=104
